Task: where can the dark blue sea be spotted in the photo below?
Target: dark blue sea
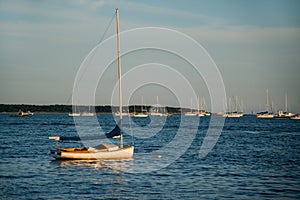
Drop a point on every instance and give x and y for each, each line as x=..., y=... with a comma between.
x=251, y=159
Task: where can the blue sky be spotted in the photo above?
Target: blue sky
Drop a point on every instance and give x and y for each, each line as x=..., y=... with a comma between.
x=255, y=45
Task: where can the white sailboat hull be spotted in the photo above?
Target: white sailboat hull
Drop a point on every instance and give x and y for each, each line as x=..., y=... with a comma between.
x=123, y=114
x=265, y=116
x=234, y=115
x=25, y=114
x=84, y=154
x=156, y=114
x=201, y=114
x=190, y=114
x=141, y=115
x=74, y=114
x=296, y=117
x=87, y=114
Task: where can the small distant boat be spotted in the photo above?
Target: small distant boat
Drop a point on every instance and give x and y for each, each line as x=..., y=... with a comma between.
x=24, y=114
x=234, y=115
x=266, y=114
x=191, y=113
x=158, y=110
x=202, y=112
x=296, y=117
x=282, y=114
x=219, y=114
x=87, y=114
x=74, y=114
x=235, y=111
x=285, y=114
x=156, y=114
x=123, y=114
x=143, y=113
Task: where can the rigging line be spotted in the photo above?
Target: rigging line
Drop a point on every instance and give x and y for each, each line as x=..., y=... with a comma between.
x=93, y=53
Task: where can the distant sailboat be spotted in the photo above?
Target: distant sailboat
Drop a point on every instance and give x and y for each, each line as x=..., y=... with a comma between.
x=191, y=113
x=143, y=113
x=75, y=113
x=89, y=113
x=24, y=114
x=296, y=117
x=102, y=151
x=156, y=110
x=285, y=114
x=234, y=109
x=202, y=112
x=266, y=113
x=117, y=114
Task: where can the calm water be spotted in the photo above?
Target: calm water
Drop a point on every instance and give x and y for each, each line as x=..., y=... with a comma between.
x=253, y=159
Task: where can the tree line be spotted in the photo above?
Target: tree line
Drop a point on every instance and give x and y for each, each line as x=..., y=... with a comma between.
x=68, y=108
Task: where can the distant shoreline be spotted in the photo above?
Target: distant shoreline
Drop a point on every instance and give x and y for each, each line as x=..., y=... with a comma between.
x=64, y=109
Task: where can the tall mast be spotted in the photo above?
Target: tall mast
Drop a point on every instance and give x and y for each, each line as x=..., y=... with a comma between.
x=236, y=104
x=120, y=78
x=286, y=107
x=156, y=103
x=142, y=107
x=199, y=104
x=267, y=100
x=232, y=104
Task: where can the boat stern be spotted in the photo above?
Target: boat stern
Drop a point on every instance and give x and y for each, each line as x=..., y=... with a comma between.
x=55, y=154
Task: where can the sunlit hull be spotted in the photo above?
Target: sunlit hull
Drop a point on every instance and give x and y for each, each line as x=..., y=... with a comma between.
x=296, y=117
x=265, y=116
x=141, y=115
x=235, y=115
x=190, y=114
x=74, y=114
x=85, y=154
x=87, y=114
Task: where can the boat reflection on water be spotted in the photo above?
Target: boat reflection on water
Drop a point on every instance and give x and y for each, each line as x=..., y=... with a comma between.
x=116, y=166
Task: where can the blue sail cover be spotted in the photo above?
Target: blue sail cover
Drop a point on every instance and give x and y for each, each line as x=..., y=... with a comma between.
x=113, y=133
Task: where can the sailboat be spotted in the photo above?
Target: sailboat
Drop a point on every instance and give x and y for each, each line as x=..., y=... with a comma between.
x=24, y=114
x=89, y=113
x=75, y=113
x=266, y=114
x=296, y=117
x=124, y=113
x=284, y=114
x=156, y=110
x=202, y=112
x=191, y=113
x=102, y=151
x=234, y=109
x=143, y=113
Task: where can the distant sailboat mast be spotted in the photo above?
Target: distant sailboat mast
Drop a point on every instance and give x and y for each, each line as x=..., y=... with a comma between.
x=267, y=101
x=286, y=106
